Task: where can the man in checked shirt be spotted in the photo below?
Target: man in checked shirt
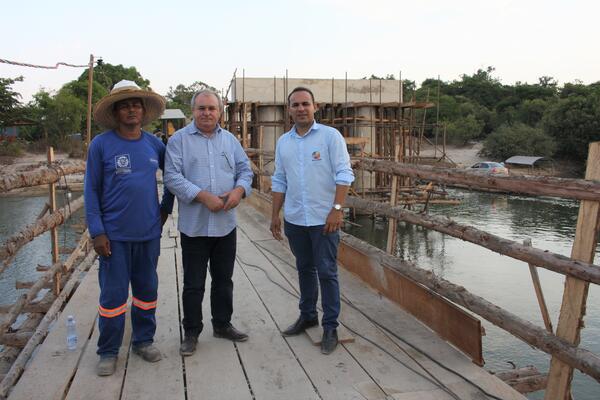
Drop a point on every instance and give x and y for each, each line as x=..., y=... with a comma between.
x=209, y=172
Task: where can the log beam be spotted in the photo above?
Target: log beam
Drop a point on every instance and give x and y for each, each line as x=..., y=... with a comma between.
x=579, y=189
x=545, y=259
x=40, y=176
x=15, y=242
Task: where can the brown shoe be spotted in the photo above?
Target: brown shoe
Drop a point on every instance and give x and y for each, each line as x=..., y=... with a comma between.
x=148, y=352
x=106, y=366
x=300, y=326
x=229, y=332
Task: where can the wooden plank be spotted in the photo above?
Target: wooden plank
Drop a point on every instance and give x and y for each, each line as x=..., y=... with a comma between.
x=392, y=377
x=457, y=326
x=388, y=373
x=572, y=311
x=271, y=367
x=334, y=375
x=163, y=379
x=42, y=379
x=214, y=371
x=86, y=384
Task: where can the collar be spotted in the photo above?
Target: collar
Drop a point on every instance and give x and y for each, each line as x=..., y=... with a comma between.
x=193, y=130
x=314, y=127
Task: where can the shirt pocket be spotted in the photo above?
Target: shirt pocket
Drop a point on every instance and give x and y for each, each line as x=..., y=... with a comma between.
x=227, y=162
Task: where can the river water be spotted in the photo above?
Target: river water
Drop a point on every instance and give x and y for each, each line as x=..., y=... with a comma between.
x=15, y=214
x=550, y=223
x=506, y=282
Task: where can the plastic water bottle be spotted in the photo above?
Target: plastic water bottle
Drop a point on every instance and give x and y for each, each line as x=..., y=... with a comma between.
x=71, y=333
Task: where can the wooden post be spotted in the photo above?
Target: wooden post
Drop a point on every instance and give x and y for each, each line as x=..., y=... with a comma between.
x=391, y=239
x=538, y=291
x=53, y=231
x=570, y=320
x=244, y=126
x=88, y=134
x=260, y=159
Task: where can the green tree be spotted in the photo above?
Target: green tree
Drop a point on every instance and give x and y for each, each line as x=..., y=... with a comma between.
x=181, y=96
x=59, y=115
x=574, y=122
x=531, y=112
x=518, y=139
x=462, y=130
x=10, y=105
x=480, y=87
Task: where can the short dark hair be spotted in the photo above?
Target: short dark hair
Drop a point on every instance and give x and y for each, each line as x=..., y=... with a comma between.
x=301, y=89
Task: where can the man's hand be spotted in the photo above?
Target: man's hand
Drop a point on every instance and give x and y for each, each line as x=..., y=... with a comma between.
x=212, y=202
x=334, y=221
x=232, y=198
x=102, y=245
x=276, y=227
x=163, y=217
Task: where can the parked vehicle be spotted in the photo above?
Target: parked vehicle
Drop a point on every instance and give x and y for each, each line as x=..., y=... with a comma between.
x=489, y=168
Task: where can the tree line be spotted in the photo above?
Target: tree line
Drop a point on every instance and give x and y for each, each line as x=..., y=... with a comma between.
x=540, y=119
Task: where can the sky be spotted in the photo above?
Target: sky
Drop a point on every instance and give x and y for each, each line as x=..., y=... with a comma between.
x=179, y=42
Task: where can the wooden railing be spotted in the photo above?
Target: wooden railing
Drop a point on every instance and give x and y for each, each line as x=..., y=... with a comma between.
x=60, y=276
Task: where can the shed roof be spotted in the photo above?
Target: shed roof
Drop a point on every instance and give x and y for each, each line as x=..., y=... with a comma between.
x=173, y=113
x=524, y=160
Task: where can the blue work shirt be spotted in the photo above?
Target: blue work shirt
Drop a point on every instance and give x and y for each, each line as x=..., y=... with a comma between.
x=120, y=188
x=197, y=162
x=307, y=170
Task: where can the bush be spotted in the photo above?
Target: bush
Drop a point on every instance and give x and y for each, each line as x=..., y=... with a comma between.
x=462, y=130
x=11, y=148
x=518, y=139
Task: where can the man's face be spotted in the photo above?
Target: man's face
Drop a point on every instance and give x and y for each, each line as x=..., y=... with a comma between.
x=206, y=112
x=302, y=109
x=129, y=112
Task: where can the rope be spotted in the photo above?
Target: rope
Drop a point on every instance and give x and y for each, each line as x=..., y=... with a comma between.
x=42, y=66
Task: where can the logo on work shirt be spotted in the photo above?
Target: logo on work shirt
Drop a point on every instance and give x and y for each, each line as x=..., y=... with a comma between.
x=122, y=164
x=316, y=155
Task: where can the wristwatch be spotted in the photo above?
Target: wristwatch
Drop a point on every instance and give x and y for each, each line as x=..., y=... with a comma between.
x=337, y=207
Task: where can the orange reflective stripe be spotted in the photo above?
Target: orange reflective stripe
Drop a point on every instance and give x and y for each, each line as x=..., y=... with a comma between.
x=144, y=305
x=112, y=312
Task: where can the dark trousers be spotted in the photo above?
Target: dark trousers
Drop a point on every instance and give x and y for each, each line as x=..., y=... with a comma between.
x=133, y=262
x=316, y=262
x=217, y=254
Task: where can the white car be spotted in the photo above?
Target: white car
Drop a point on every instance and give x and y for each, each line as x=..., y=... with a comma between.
x=489, y=168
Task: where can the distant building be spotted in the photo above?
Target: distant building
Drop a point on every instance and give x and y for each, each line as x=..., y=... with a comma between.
x=172, y=120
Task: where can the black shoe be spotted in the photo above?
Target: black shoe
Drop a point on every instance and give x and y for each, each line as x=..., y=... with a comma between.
x=188, y=346
x=300, y=326
x=329, y=341
x=229, y=332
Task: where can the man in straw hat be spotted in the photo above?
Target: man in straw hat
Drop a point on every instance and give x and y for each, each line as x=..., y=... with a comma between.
x=209, y=172
x=125, y=219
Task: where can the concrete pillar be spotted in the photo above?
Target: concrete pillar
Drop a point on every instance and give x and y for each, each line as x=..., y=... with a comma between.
x=364, y=179
x=271, y=133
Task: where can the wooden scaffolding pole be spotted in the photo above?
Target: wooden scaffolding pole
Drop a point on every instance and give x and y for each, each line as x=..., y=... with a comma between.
x=54, y=230
x=570, y=320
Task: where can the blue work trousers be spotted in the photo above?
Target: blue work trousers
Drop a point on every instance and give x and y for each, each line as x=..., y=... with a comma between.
x=316, y=262
x=133, y=262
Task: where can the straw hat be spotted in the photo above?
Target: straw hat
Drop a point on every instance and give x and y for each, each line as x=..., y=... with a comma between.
x=154, y=104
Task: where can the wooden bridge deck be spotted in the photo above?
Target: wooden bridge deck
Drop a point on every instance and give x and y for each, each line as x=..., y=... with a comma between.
x=376, y=365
